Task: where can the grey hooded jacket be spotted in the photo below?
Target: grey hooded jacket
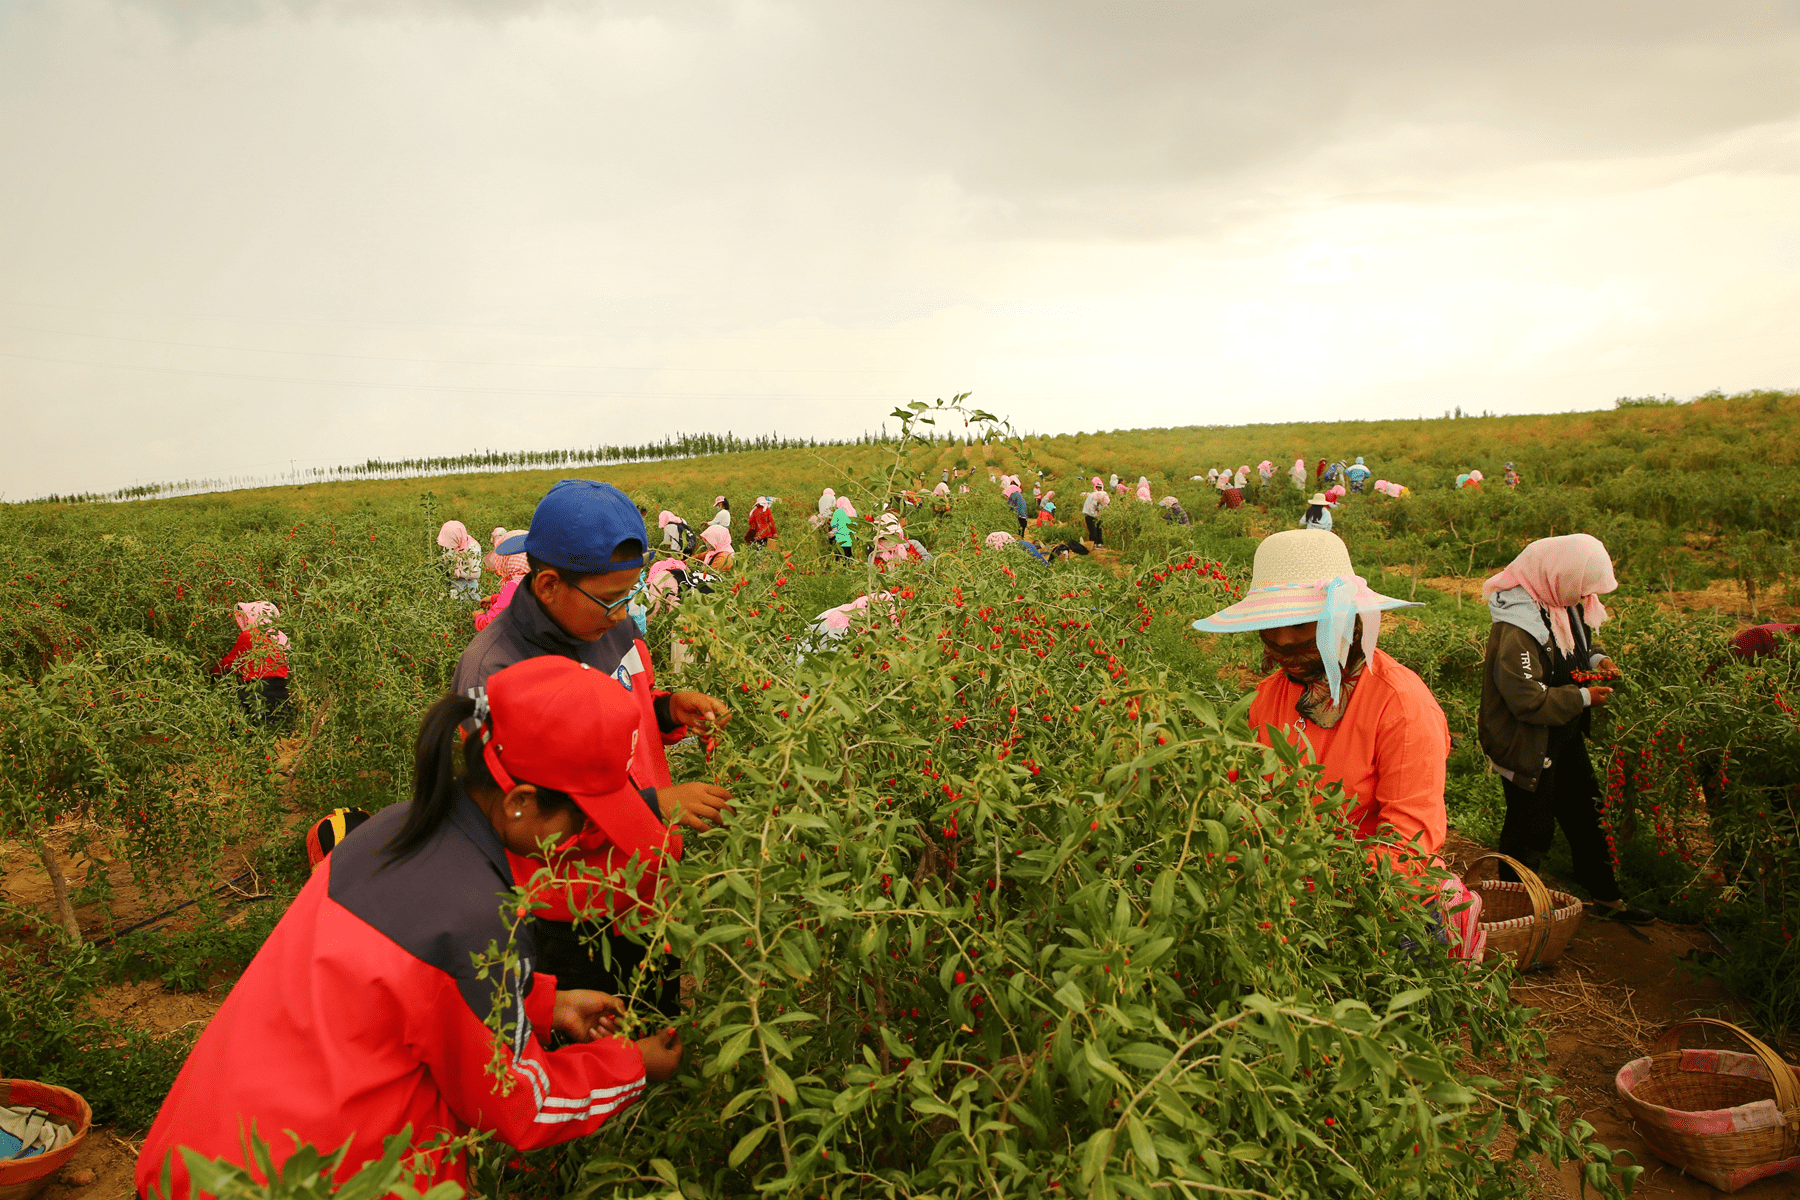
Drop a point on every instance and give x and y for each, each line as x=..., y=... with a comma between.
x=1519, y=706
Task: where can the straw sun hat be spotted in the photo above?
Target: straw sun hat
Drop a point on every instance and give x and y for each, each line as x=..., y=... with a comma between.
x=1320, y=498
x=1303, y=575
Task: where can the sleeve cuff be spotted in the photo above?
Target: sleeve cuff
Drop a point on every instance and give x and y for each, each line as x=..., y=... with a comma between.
x=1595, y=658
x=664, y=720
x=649, y=795
x=1587, y=700
x=540, y=1005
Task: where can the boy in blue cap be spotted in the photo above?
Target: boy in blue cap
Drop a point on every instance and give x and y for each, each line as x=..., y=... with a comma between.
x=585, y=551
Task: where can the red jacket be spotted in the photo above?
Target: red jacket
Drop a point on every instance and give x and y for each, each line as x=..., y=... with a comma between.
x=254, y=656
x=762, y=525
x=610, y=844
x=524, y=630
x=361, y=1014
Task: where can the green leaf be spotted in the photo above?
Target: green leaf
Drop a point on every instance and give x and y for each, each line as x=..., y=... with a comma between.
x=1141, y=1145
x=734, y=1049
x=1095, y=1154
x=781, y=1085
x=748, y=1144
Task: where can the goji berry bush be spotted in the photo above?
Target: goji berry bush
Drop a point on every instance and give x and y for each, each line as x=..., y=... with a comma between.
x=1008, y=910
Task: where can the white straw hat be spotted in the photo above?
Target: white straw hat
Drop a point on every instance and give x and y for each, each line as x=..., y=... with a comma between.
x=1290, y=582
x=1320, y=498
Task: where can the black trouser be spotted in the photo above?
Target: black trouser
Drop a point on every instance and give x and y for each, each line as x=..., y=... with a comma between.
x=265, y=700
x=560, y=953
x=1093, y=528
x=1566, y=795
x=845, y=551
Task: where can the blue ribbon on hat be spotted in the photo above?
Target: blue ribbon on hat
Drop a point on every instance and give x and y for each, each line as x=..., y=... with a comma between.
x=1337, y=625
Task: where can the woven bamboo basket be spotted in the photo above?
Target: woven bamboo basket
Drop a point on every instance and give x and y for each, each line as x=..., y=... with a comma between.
x=22, y=1178
x=1723, y=1117
x=1526, y=920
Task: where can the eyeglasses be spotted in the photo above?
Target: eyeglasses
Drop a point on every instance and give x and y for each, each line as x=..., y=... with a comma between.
x=608, y=609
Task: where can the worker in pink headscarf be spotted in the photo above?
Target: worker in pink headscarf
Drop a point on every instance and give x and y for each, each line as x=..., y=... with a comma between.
x=511, y=568
x=717, y=553
x=462, y=558
x=259, y=660
x=1539, y=686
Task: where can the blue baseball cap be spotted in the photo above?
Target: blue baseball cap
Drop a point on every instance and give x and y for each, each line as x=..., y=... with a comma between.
x=578, y=525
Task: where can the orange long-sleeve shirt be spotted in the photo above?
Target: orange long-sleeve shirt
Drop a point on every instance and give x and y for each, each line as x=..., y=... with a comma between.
x=1388, y=752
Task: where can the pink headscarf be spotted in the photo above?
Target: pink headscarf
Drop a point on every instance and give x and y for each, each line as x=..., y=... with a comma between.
x=660, y=588
x=454, y=535
x=665, y=519
x=716, y=536
x=999, y=540
x=843, y=502
x=254, y=614
x=507, y=566
x=1559, y=573
x=837, y=620
x=1098, y=485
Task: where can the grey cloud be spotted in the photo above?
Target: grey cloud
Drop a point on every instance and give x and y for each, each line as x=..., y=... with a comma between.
x=844, y=200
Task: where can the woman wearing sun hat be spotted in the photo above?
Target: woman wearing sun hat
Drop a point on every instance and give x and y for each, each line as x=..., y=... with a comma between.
x=1370, y=722
x=1318, y=513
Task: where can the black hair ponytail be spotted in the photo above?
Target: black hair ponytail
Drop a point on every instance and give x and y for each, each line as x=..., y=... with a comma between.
x=1315, y=512
x=434, y=776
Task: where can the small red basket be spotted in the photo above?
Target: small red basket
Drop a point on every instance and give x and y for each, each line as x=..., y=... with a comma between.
x=21, y=1178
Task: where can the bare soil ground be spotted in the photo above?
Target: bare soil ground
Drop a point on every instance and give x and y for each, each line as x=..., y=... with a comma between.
x=1601, y=1005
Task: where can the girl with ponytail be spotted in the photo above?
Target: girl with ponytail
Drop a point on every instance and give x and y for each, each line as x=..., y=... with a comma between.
x=363, y=1014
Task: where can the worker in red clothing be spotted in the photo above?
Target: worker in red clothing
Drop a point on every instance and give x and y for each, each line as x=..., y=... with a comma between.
x=259, y=659
x=363, y=1014
x=1371, y=723
x=762, y=522
x=586, y=550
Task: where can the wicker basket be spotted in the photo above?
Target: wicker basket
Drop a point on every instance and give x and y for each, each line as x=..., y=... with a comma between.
x=1526, y=920
x=1726, y=1118
x=21, y=1178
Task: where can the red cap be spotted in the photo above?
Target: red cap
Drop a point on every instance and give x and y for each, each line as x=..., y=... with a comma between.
x=561, y=724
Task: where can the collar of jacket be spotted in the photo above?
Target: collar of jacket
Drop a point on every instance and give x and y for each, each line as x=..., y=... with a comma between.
x=537, y=630
x=1514, y=606
x=467, y=816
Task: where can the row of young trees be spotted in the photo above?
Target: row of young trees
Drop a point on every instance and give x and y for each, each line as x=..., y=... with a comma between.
x=673, y=447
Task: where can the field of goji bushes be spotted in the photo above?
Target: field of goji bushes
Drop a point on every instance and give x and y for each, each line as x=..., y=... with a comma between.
x=1012, y=905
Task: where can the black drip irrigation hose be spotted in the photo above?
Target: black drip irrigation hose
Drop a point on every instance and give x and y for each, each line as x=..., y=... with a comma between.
x=229, y=885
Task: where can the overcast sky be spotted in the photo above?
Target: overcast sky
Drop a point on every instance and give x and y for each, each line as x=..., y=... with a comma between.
x=239, y=232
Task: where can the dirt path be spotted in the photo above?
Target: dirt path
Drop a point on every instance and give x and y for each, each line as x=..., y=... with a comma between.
x=1602, y=1004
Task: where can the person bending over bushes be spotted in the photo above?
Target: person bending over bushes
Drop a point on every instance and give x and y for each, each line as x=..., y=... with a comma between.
x=362, y=1014
x=1370, y=722
x=586, y=549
